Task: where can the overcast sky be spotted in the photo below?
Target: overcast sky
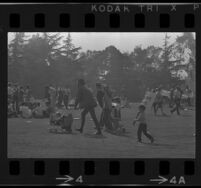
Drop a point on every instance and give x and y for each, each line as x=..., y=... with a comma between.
x=125, y=42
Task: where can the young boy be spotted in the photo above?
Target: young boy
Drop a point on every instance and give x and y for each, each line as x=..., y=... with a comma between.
x=142, y=128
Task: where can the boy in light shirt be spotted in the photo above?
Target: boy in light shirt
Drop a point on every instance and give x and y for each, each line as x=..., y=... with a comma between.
x=142, y=128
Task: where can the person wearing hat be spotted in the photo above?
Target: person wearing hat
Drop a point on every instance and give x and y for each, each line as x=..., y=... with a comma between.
x=142, y=128
x=87, y=102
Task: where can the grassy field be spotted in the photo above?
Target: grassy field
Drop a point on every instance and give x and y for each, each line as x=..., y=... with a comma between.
x=174, y=138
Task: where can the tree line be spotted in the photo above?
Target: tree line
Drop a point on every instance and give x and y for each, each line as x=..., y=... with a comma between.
x=52, y=59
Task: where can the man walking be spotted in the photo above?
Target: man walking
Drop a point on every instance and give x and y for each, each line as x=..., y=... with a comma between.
x=87, y=102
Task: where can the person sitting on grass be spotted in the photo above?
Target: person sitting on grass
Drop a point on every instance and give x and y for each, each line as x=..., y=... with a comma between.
x=142, y=128
x=11, y=112
x=38, y=111
x=61, y=121
x=25, y=111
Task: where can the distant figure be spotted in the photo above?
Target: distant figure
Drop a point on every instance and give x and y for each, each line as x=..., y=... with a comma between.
x=66, y=96
x=142, y=128
x=148, y=94
x=158, y=102
x=25, y=111
x=60, y=97
x=10, y=91
x=107, y=109
x=16, y=99
x=21, y=95
x=47, y=94
x=189, y=95
x=87, y=102
x=177, y=100
x=53, y=98
x=27, y=94
x=171, y=97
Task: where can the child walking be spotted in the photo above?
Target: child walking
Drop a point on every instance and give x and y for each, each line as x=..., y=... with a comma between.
x=142, y=128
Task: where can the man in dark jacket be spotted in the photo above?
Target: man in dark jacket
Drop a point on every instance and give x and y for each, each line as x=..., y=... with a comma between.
x=87, y=102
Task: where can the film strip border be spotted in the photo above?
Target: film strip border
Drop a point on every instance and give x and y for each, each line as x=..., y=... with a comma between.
x=114, y=171
x=90, y=20
x=42, y=18
x=99, y=17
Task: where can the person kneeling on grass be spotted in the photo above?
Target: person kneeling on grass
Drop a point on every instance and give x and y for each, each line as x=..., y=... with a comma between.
x=11, y=112
x=39, y=111
x=142, y=128
x=63, y=121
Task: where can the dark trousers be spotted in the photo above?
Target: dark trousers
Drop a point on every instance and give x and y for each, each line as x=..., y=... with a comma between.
x=171, y=102
x=176, y=107
x=90, y=110
x=107, y=119
x=65, y=99
x=143, y=129
x=156, y=106
x=189, y=101
x=60, y=100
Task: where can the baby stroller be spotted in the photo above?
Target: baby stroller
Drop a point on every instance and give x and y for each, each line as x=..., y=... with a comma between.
x=61, y=122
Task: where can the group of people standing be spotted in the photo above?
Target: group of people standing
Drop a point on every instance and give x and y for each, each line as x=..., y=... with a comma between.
x=87, y=102
x=57, y=96
x=175, y=99
x=17, y=95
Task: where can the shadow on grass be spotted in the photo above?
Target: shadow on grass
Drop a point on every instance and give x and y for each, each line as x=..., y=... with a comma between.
x=186, y=115
x=126, y=134
x=158, y=144
x=161, y=115
x=88, y=135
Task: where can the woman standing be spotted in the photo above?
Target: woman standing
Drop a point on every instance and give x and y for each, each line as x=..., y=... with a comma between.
x=107, y=108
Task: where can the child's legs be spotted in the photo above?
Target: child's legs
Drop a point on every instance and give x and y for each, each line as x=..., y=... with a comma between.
x=139, y=132
x=144, y=130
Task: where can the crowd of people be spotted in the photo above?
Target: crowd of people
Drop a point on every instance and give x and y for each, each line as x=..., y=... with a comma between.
x=55, y=106
x=177, y=99
x=21, y=102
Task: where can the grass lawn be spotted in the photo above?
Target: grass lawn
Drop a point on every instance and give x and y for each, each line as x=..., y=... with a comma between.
x=173, y=138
